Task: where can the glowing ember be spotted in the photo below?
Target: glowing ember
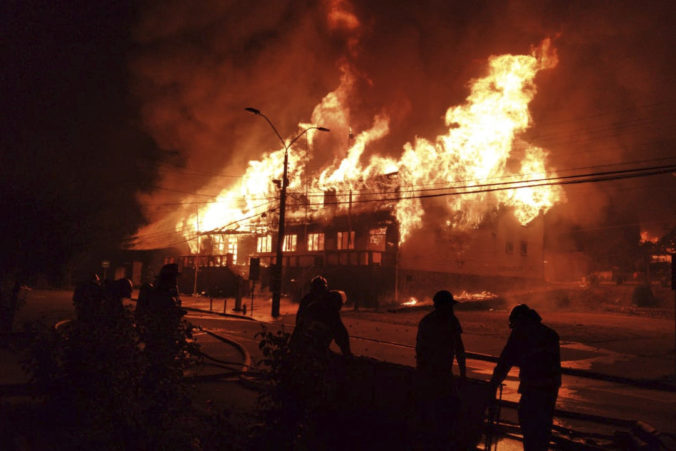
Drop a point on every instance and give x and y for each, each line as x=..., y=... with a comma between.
x=647, y=237
x=483, y=145
x=466, y=296
x=411, y=301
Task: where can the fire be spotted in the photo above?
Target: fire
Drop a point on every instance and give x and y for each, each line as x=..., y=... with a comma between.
x=466, y=296
x=647, y=237
x=483, y=145
x=411, y=301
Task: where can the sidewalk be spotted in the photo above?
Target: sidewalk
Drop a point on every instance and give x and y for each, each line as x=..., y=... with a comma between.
x=262, y=306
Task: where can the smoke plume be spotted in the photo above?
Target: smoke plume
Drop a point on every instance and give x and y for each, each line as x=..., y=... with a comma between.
x=197, y=66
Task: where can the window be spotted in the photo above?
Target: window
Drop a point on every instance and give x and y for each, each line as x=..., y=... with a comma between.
x=524, y=248
x=377, y=239
x=290, y=243
x=315, y=242
x=345, y=240
x=509, y=247
x=231, y=247
x=264, y=244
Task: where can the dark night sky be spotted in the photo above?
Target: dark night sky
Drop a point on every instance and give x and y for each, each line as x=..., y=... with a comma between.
x=73, y=152
x=103, y=100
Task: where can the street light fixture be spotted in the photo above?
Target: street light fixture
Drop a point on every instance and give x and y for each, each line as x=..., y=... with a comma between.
x=277, y=268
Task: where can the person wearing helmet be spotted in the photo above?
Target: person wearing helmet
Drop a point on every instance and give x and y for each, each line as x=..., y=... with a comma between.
x=438, y=343
x=113, y=293
x=318, y=322
x=534, y=348
x=439, y=339
x=319, y=287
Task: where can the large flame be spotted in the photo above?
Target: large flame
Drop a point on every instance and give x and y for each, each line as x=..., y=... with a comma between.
x=482, y=145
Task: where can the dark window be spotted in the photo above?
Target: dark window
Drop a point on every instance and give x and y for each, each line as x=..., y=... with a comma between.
x=524, y=248
x=509, y=247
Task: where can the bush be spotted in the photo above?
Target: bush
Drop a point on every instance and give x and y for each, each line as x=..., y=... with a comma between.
x=91, y=379
x=294, y=394
x=643, y=296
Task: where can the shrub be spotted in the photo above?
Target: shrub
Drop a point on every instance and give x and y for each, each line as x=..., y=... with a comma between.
x=91, y=380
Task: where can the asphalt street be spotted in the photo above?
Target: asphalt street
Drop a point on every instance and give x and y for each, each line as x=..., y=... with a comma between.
x=616, y=344
x=607, y=343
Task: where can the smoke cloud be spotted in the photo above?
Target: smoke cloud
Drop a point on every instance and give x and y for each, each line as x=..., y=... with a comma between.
x=610, y=100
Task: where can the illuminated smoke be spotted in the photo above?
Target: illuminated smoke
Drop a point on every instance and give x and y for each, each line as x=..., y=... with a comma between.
x=198, y=65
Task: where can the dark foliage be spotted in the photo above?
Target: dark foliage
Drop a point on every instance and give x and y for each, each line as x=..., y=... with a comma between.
x=93, y=391
x=295, y=394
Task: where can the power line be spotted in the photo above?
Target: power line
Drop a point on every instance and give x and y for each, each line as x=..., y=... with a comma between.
x=187, y=229
x=569, y=180
x=472, y=182
x=513, y=184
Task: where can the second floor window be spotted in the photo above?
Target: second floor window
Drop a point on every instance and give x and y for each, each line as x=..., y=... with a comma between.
x=345, y=240
x=509, y=247
x=524, y=248
x=264, y=244
x=290, y=243
x=315, y=242
x=377, y=239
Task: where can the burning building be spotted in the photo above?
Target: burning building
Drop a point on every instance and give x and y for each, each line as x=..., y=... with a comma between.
x=359, y=250
x=458, y=211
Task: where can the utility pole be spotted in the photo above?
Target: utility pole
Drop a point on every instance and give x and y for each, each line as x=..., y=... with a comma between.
x=350, y=245
x=197, y=257
x=277, y=275
x=277, y=268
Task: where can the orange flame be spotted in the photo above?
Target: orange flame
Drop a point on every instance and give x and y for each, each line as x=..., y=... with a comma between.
x=481, y=145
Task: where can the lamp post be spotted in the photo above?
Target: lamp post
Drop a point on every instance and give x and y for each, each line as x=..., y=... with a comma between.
x=277, y=268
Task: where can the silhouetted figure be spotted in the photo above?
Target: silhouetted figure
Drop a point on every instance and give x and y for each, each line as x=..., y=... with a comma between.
x=160, y=321
x=534, y=348
x=319, y=287
x=113, y=293
x=88, y=298
x=305, y=374
x=13, y=294
x=318, y=323
x=438, y=343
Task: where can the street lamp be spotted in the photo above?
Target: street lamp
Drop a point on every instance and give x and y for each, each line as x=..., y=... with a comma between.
x=277, y=268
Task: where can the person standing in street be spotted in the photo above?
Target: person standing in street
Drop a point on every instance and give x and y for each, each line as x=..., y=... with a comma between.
x=318, y=322
x=319, y=288
x=534, y=348
x=439, y=339
x=87, y=298
x=438, y=344
x=161, y=324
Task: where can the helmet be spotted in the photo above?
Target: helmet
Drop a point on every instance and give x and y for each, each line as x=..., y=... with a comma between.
x=443, y=297
x=319, y=283
x=337, y=298
x=523, y=313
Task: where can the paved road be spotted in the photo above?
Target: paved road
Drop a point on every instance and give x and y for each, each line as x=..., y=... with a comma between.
x=615, y=343
x=392, y=338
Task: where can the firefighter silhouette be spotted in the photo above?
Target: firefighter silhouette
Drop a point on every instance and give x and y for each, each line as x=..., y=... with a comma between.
x=534, y=348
